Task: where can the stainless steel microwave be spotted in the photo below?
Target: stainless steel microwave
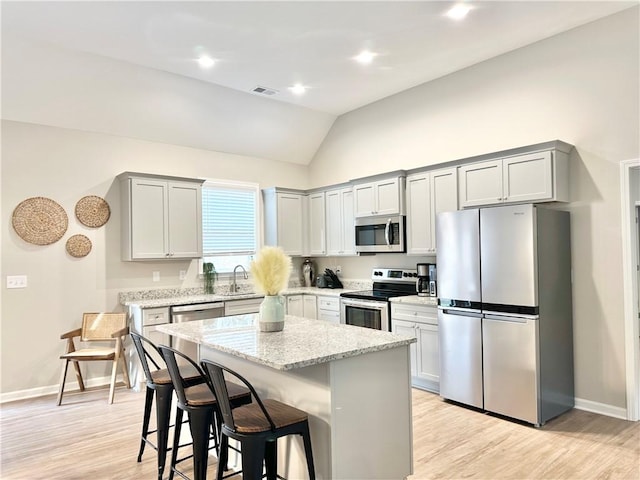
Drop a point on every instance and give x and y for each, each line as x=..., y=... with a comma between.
x=380, y=234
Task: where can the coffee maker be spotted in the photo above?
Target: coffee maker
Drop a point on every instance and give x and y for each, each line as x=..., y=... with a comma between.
x=426, y=282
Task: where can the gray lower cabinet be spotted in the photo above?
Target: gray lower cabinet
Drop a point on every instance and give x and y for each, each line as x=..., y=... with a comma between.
x=242, y=307
x=421, y=322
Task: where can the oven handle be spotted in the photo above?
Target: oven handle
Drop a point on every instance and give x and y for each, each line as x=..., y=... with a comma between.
x=386, y=232
x=364, y=303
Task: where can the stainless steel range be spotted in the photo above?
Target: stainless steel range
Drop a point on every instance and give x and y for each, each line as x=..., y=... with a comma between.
x=370, y=308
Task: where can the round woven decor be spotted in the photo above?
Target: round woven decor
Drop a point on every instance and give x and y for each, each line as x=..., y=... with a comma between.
x=78, y=246
x=40, y=221
x=93, y=211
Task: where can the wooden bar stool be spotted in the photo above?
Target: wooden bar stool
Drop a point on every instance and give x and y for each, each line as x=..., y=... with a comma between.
x=202, y=409
x=256, y=426
x=158, y=383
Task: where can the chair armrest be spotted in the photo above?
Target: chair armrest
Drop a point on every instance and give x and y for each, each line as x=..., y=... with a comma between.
x=120, y=333
x=73, y=333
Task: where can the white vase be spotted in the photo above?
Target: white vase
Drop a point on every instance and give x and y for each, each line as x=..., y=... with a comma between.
x=272, y=313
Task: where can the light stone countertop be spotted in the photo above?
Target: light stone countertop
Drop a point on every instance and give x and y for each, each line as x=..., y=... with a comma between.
x=302, y=343
x=416, y=300
x=204, y=298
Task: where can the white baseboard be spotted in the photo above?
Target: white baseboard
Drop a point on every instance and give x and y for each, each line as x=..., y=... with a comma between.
x=601, y=408
x=53, y=389
x=581, y=404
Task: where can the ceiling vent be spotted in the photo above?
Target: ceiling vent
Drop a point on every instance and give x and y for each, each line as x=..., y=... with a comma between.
x=264, y=90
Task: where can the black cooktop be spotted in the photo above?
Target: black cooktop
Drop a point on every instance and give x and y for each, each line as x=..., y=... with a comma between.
x=382, y=292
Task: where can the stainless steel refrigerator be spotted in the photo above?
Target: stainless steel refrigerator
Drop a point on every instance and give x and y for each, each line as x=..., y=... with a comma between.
x=505, y=312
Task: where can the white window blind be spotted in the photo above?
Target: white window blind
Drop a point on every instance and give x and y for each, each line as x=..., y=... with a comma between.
x=228, y=219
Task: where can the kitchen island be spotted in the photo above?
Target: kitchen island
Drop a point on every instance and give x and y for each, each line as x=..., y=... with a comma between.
x=353, y=382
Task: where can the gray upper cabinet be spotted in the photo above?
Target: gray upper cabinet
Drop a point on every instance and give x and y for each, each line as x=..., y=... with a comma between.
x=530, y=177
x=161, y=217
x=428, y=193
x=285, y=220
x=339, y=222
x=317, y=230
x=382, y=197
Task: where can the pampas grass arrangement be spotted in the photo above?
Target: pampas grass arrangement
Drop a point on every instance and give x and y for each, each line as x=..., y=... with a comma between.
x=270, y=270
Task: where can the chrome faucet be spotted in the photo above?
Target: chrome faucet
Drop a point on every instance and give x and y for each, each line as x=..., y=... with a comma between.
x=234, y=286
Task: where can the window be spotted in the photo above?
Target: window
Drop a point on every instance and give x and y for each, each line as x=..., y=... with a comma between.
x=229, y=224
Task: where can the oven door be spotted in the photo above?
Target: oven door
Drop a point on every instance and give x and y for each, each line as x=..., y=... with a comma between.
x=365, y=313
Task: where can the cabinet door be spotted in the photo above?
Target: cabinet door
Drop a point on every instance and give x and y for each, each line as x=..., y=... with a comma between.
x=364, y=200
x=527, y=177
x=185, y=220
x=348, y=226
x=480, y=183
x=444, y=197
x=334, y=222
x=295, y=306
x=316, y=224
x=387, y=196
x=428, y=368
x=309, y=307
x=149, y=218
x=409, y=329
x=419, y=225
x=290, y=218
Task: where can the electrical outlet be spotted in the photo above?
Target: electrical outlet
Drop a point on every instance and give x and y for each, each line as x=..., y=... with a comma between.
x=338, y=269
x=16, y=281
x=183, y=274
x=156, y=276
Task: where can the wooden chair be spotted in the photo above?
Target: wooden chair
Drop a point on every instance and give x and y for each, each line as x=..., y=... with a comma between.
x=96, y=327
x=257, y=426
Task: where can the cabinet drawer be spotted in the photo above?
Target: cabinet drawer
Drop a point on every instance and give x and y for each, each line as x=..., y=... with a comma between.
x=329, y=303
x=414, y=313
x=242, y=307
x=155, y=316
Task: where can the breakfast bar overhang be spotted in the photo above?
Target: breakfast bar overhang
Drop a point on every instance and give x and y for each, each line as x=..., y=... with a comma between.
x=353, y=382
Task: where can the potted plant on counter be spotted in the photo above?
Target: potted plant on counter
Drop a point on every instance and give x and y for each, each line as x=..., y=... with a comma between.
x=270, y=272
x=210, y=274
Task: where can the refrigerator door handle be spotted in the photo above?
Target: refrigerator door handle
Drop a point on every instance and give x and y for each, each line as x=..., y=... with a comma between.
x=519, y=318
x=461, y=312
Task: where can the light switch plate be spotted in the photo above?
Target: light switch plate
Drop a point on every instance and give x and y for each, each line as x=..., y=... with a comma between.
x=156, y=276
x=16, y=281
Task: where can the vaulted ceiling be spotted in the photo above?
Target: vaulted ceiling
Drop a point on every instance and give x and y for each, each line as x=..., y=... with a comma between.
x=280, y=44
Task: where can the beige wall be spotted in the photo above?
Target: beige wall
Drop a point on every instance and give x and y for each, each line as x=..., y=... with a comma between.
x=581, y=87
x=66, y=165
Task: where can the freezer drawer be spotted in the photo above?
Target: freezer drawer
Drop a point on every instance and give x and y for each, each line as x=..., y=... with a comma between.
x=510, y=357
x=460, y=356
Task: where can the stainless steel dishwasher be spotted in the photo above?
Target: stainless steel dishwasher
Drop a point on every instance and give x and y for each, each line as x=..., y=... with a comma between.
x=189, y=313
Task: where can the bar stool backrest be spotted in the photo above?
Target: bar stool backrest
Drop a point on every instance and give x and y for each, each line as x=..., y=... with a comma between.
x=141, y=343
x=214, y=373
x=179, y=382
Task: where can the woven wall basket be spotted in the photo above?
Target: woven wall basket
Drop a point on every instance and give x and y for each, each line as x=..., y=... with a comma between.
x=40, y=221
x=93, y=211
x=78, y=246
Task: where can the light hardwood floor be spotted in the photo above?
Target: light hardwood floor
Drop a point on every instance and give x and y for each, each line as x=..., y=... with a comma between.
x=87, y=439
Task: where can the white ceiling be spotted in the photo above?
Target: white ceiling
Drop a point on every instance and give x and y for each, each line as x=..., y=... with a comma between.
x=278, y=44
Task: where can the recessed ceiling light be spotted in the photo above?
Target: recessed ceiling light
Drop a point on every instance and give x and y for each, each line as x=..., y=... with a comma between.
x=365, y=57
x=298, y=89
x=206, y=61
x=458, y=12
